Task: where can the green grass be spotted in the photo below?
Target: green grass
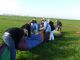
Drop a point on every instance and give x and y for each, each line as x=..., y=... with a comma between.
x=65, y=48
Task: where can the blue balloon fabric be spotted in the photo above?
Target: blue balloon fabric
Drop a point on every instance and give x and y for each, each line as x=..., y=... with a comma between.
x=33, y=41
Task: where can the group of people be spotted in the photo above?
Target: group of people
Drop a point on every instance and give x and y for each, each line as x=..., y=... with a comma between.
x=13, y=36
x=49, y=28
x=46, y=25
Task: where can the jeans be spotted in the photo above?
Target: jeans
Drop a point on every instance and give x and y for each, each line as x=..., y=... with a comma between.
x=10, y=43
x=51, y=35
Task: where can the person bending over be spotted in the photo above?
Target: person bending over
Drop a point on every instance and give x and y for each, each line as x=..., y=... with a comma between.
x=11, y=38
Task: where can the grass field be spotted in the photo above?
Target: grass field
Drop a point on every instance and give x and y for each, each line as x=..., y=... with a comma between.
x=65, y=48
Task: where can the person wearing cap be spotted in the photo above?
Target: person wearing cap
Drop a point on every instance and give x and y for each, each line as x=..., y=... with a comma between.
x=11, y=38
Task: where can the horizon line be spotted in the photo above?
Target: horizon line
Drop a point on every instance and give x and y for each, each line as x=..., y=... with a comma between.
x=39, y=16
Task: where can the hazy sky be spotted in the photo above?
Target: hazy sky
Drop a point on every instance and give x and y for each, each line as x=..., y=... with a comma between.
x=47, y=8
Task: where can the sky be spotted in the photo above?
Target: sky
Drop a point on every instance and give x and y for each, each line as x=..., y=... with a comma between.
x=42, y=8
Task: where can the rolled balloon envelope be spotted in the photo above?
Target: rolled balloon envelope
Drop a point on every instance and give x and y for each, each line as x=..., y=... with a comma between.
x=57, y=33
x=31, y=42
x=4, y=52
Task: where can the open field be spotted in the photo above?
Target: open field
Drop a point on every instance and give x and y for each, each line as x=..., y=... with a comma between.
x=65, y=48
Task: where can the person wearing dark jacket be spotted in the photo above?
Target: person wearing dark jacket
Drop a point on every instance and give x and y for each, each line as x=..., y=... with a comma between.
x=52, y=25
x=11, y=38
x=52, y=31
x=27, y=29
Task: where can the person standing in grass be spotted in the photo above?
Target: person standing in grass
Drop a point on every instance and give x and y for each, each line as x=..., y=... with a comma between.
x=59, y=25
x=47, y=30
x=52, y=30
x=11, y=38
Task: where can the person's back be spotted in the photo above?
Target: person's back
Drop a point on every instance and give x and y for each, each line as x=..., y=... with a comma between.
x=52, y=25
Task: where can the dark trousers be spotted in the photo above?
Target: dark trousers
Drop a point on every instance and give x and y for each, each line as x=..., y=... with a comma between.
x=46, y=36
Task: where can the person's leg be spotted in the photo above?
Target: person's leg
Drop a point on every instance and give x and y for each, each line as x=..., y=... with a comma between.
x=10, y=43
x=44, y=35
x=52, y=35
x=47, y=36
